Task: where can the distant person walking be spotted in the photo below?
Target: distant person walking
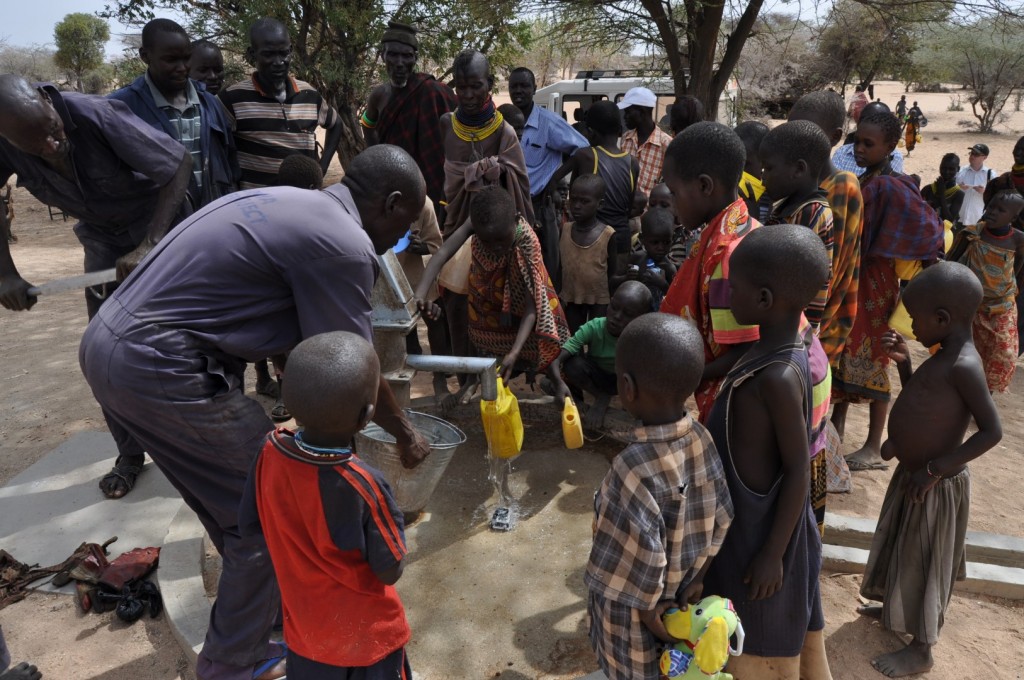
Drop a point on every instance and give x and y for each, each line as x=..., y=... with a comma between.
x=973, y=180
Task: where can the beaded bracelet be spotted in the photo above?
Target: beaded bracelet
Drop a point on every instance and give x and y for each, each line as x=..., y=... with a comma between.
x=928, y=469
x=365, y=121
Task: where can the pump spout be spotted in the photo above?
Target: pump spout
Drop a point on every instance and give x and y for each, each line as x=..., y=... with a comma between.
x=485, y=368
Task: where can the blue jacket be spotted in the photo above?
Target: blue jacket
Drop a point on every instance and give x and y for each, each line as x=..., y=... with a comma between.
x=220, y=162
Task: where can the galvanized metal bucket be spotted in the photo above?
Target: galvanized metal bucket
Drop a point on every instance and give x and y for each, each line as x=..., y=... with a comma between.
x=412, y=488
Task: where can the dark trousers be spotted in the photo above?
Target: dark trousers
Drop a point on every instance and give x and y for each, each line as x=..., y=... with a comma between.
x=186, y=406
x=102, y=249
x=5, y=654
x=394, y=666
x=583, y=373
x=549, y=233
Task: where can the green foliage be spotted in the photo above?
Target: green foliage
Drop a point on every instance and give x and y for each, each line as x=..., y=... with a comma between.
x=80, y=39
x=126, y=69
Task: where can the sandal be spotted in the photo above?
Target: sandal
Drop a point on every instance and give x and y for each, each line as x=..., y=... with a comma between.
x=126, y=473
x=280, y=413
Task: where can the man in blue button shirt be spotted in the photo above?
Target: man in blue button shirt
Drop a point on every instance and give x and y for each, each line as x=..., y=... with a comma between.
x=547, y=140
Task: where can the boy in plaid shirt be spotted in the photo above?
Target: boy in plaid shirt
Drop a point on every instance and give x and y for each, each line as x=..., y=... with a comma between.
x=664, y=507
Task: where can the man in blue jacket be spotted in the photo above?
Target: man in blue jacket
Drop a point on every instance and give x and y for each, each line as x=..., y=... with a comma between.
x=168, y=100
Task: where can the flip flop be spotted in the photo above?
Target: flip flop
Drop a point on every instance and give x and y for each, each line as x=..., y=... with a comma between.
x=861, y=466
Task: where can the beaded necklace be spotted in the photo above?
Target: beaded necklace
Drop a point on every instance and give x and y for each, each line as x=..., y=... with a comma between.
x=477, y=127
x=340, y=452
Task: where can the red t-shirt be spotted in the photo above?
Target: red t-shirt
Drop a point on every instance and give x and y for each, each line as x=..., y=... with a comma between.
x=330, y=525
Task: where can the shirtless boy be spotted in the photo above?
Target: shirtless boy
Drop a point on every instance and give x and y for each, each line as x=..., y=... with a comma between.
x=918, y=549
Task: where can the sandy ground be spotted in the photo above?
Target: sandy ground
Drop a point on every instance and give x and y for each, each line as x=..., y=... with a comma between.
x=46, y=401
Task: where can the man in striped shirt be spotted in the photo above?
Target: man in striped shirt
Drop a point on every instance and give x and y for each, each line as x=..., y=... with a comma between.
x=274, y=114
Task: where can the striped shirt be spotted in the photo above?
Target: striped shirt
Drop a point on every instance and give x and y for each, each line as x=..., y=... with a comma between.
x=816, y=215
x=267, y=131
x=187, y=123
x=650, y=155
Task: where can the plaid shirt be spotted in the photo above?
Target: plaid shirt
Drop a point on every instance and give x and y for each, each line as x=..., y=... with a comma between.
x=662, y=512
x=650, y=155
x=843, y=159
x=186, y=123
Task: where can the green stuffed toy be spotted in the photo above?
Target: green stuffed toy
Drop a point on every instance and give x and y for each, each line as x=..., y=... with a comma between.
x=705, y=631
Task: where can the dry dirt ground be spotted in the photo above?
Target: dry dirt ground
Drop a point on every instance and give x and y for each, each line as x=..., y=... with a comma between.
x=46, y=400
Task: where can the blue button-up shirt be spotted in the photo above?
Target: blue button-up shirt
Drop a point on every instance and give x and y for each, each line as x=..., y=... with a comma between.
x=546, y=140
x=843, y=160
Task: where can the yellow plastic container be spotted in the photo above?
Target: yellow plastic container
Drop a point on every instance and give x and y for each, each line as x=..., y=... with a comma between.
x=503, y=426
x=900, y=322
x=572, y=428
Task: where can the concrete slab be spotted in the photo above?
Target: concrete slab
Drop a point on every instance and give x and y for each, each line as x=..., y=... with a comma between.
x=982, y=579
x=55, y=505
x=180, y=579
x=983, y=548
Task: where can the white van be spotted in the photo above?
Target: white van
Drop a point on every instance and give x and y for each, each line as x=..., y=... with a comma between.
x=566, y=96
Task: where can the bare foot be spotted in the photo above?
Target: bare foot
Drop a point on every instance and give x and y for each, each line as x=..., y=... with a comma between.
x=914, y=658
x=593, y=419
x=23, y=671
x=867, y=457
x=872, y=610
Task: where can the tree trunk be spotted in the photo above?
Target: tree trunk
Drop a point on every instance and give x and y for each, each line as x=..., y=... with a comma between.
x=351, y=142
x=704, y=21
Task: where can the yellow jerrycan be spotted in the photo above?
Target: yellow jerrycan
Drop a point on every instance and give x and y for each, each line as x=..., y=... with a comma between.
x=503, y=426
x=572, y=428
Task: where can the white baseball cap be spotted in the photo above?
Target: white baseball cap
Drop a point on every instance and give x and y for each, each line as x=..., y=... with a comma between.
x=639, y=96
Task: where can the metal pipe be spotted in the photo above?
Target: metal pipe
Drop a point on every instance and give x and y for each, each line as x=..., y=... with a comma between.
x=485, y=368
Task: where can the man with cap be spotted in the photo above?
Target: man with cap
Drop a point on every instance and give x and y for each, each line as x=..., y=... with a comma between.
x=407, y=110
x=643, y=139
x=972, y=179
x=547, y=140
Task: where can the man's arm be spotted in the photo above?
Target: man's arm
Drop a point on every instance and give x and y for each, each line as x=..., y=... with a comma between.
x=13, y=289
x=413, y=448
x=168, y=202
x=371, y=115
x=571, y=165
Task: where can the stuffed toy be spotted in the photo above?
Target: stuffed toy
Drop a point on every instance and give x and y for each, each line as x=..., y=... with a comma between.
x=705, y=632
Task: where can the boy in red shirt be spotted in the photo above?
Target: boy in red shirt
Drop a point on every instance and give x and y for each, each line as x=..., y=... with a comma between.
x=333, y=529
